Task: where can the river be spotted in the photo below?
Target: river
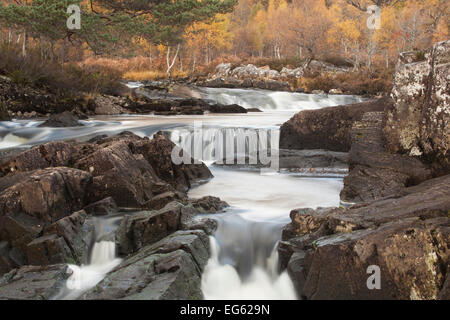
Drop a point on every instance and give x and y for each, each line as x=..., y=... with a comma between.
x=243, y=263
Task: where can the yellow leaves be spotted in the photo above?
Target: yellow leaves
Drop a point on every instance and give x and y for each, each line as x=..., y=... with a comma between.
x=215, y=33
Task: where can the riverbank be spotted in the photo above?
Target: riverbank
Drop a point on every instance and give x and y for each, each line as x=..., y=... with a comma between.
x=396, y=195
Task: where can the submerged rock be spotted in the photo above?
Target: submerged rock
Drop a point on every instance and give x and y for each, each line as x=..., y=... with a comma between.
x=65, y=119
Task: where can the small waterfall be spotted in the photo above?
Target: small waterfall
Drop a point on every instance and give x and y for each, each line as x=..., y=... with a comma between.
x=85, y=277
x=226, y=145
x=102, y=260
x=276, y=100
x=223, y=282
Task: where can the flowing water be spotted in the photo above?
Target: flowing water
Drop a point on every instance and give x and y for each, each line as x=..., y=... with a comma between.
x=243, y=262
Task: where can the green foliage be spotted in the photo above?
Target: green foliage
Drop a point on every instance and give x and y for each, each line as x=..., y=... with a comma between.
x=117, y=21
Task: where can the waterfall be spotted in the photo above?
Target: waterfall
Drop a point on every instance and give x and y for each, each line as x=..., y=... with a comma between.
x=227, y=144
x=276, y=100
x=222, y=281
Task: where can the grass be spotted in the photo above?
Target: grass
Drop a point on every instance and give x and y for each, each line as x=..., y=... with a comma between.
x=153, y=75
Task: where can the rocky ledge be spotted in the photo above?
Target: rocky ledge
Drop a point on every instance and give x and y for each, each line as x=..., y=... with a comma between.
x=29, y=102
x=396, y=196
x=49, y=194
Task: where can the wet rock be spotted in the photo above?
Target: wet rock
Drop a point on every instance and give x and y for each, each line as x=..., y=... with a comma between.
x=47, y=195
x=119, y=171
x=103, y=207
x=65, y=119
x=78, y=234
x=208, y=204
x=51, y=154
x=254, y=110
x=326, y=128
x=47, y=250
x=313, y=159
x=33, y=282
x=158, y=152
x=161, y=200
x=147, y=227
x=232, y=108
x=417, y=122
x=168, y=269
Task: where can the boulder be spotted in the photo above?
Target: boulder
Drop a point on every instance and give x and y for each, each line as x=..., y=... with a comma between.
x=34, y=282
x=109, y=105
x=417, y=121
x=208, y=204
x=168, y=269
x=64, y=119
x=46, y=195
x=326, y=128
x=158, y=153
x=147, y=227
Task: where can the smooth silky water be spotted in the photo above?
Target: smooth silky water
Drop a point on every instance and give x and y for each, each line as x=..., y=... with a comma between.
x=244, y=261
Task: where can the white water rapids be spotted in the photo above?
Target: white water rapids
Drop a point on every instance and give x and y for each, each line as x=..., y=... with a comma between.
x=243, y=264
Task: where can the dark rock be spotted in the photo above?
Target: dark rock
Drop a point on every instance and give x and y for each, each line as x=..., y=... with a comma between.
x=375, y=173
x=161, y=200
x=208, y=204
x=147, y=227
x=109, y=105
x=4, y=114
x=47, y=250
x=65, y=119
x=232, y=108
x=326, y=128
x=33, y=282
x=102, y=208
x=78, y=233
x=51, y=154
x=254, y=110
x=47, y=195
x=168, y=269
x=158, y=152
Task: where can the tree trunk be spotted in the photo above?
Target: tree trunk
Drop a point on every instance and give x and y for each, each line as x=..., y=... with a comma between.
x=24, y=45
x=170, y=64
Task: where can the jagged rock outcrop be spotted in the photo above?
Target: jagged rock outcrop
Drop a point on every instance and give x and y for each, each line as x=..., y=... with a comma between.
x=326, y=128
x=43, y=189
x=418, y=121
x=327, y=251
